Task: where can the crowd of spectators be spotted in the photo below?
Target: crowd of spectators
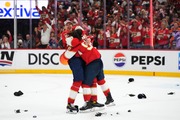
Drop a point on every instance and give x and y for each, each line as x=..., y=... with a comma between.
x=120, y=31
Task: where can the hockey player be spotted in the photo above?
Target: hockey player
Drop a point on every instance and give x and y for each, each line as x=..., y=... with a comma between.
x=93, y=69
x=77, y=66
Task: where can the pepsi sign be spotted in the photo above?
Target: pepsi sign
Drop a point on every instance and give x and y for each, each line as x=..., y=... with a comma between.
x=119, y=59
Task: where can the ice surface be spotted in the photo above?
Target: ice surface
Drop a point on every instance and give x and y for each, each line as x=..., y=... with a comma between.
x=45, y=98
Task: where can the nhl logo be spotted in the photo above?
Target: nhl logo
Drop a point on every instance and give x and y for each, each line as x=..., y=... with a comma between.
x=119, y=59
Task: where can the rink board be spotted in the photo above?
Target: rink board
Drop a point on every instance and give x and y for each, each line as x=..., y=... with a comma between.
x=122, y=62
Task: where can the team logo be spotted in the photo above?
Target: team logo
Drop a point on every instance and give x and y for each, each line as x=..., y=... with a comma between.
x=6, y=58
x=119, y=59
x=179, y=62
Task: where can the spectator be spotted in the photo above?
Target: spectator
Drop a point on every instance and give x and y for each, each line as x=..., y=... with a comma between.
x=114, y=41
x=146, y=36
x=37, y=37
x=163, y=37
x=53, y=43
x=85, y=26
x=116, y=10
x=45, y=35
x=135, y=32
x=52, y=21
x=123, y=35
x=43, y=13
x=19, y=41
x=90, y=16
x=1, y=43
x=100, y=39
x=9, y=36
x=26, y=42
x=176, y=36
x=19, y=36
x=5, y=42
x=20, y=44
x=99, y=24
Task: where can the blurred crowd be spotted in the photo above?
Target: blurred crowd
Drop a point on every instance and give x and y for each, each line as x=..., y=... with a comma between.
x=120, y=26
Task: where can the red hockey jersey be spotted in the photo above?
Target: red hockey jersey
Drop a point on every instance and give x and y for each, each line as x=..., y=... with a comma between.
x=87, y=52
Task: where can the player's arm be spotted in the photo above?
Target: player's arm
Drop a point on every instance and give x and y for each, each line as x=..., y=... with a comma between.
x=73, y=42
x=68, y=54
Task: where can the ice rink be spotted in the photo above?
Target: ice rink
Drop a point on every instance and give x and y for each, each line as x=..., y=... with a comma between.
x=45, y=98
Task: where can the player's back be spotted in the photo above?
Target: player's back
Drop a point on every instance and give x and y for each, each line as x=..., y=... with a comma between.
x=88, y=53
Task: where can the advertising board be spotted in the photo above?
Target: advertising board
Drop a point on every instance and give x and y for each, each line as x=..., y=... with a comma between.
x=25, y=9
x=115, y=61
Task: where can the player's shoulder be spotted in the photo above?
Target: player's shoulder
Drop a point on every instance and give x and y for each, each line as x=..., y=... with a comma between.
x=73, y=42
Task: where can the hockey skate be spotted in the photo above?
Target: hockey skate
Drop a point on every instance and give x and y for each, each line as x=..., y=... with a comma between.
x=109, y=100
x=86, y=108
x=72, y=109
x=97, y=106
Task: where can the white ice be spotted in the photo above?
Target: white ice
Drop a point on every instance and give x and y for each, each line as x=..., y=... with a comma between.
x=45, y=98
